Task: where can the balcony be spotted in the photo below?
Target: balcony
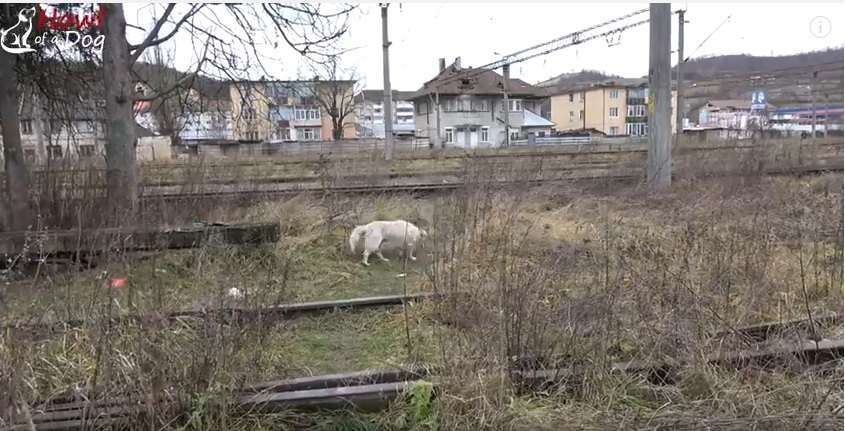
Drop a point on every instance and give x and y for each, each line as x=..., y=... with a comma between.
x=636, y=101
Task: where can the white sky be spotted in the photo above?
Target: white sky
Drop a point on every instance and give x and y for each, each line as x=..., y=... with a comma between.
x=423, y=32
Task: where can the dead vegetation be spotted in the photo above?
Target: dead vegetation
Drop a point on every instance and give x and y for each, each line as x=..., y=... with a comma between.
x=563, y=276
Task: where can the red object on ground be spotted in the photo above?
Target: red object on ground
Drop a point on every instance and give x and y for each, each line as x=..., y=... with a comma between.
x=117, y=283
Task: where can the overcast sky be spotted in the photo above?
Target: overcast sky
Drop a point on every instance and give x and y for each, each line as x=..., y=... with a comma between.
x=421, y=33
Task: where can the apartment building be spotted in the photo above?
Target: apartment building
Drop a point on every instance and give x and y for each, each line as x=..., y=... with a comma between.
x=56, y=129
x=614, y=107
x=280, y=111
x=369, y=109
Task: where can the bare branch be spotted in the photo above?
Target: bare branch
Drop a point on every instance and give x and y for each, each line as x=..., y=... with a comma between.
x=152, y=34
x=189, y=77
x=147, y=43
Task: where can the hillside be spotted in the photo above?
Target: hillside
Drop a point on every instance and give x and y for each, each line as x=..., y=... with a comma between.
x=706, y=68
x=569, y=80
x=788, y=80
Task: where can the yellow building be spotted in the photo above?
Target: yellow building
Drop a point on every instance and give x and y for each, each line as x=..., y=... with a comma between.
x=250, y=111
x=277, y=111
x=614, y=107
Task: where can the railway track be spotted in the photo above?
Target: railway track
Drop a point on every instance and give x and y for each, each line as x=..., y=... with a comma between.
x=157, y=178
x=481, y=154
x=633, y=175
x=371, y=390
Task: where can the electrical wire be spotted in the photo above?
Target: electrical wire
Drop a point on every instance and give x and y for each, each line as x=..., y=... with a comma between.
x=761, y=78
x=572, y=38
x=707, y=38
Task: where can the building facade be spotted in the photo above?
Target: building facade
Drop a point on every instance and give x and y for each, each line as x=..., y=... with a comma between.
x=471, y=109
x=369, y=109
x=614, y=107
x=281, y=111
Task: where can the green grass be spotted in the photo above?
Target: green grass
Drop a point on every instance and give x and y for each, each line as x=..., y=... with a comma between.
x=346, y=341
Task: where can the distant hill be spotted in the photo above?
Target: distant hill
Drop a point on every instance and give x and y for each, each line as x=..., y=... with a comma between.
x=568, y=80
x=787, y=78
x=705, y=68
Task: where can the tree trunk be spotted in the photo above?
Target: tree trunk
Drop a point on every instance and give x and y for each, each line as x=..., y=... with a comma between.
x=122, y=187
x=17, y=175
x=337, y=130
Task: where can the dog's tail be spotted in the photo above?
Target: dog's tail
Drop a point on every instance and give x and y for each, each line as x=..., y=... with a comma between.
x=355, y=237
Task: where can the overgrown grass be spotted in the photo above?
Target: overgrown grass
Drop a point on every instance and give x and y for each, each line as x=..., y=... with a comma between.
x=575, y=278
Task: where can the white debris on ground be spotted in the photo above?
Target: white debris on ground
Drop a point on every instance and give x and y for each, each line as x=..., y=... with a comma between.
x=235, y=293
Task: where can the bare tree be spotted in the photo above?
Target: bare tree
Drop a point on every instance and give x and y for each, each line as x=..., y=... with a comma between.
x=17, y=175
x=336, y=96
x=303, y=27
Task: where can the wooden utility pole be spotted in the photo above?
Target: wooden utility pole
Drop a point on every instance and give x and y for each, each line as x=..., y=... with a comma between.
x=388, y=95
x=659, y=167
x=679, y=99
x=506, y=71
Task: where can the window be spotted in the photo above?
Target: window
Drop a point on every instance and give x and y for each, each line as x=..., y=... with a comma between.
x=26, y=127
x=613, y=112
x=309, y=135
x=614, y=94
x=636, y=110
x=86, y=150
x=252, y=136
x=515, y=105
x=249, y=113
x=281, y=134
x=614, y=131
x=309, y=113
x=54, y=151
x=572, y=97
x=514, y=134
x=465, y=105
x=637, y=129
x=485, y=134
x=83, y=126
x=450, y=135
x=29, y=155
x=581, y=115
x=422, y=108
x=571, y=114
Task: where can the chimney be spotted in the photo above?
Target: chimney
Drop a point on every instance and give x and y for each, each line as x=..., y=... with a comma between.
x=442, y=64
x=458, y=63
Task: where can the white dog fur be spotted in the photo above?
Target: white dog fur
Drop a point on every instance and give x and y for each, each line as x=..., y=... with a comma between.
x=379, y=236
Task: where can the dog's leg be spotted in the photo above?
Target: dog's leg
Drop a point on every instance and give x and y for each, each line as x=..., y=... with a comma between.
x=379, y=255
x=372, y=244
x=365, y=261
x=411, y=252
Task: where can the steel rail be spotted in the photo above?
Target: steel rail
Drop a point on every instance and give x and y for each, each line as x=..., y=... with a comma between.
x=335, y=393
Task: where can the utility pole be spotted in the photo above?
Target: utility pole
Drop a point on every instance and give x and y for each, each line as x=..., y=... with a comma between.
x=437, y=116
x=826, y=107
x=813, y=111
x=679, y=99
x=813, y=101
x=659, y=163
x=388, y=94
x=506, y=72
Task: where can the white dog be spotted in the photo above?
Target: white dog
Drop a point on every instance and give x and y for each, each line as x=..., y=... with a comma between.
x=382, y=235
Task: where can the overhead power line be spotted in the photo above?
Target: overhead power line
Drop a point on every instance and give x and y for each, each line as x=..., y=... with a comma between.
x=571, y=39
x=761, y=78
